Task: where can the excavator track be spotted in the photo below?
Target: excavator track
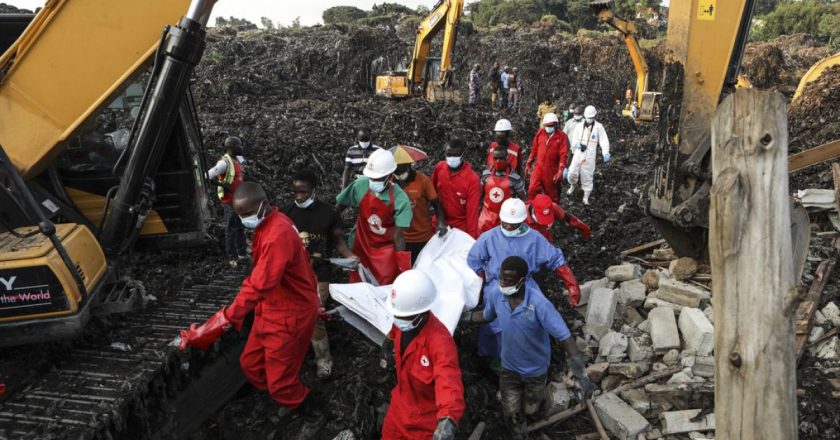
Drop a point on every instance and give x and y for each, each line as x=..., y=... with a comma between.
x=105, y=390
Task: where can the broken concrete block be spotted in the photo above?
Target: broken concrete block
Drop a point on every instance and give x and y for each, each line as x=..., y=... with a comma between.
x=345, y=435
x=687, y=360
x=694, y=435
x=632, y=317
x=652, y=301
x=663, y=330
x=639, y=348
x=632, y=293
x=683, y=268
x=623, y=272
x=653, y=434
x=681, y=293
x=630, y=370
x=684, y=377
x=612, y=381
x=596, y=372
x=704, y=366
x=828, y=349
x=659, y=366
x=637, y=399
x=697, y=331
x=601, y=312
x=710, y=314
x=819, y=318
x=671, y=357
x=619, y=418
x=651, y=279
x=663, y=254
x=557, y=398
x=587, y=288
x=816, y=198
x=816, y=333
x=831, y=313
x=678, y=422
x=613, y=346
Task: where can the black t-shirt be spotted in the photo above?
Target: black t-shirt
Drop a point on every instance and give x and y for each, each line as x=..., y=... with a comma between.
x=315, y=226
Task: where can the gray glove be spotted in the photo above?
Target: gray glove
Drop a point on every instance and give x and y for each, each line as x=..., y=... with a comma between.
x=445, y=429
x=577, y=364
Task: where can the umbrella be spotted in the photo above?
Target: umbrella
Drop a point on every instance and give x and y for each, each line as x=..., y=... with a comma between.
x=405, y=154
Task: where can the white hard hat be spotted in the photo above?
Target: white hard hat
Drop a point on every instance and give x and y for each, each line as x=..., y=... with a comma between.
x=590, y=111
x=549, y=118
x=413, y=292
x=380, y=163
x=503, y=125
x=513, y=211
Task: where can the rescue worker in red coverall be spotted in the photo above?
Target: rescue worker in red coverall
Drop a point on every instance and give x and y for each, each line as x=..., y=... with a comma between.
x=283, y=293
x=548, y=159
x=502, y=131
x=499, y=183
x=458, y=188
x=428, y=400
x=384, y=211
x=541, y=215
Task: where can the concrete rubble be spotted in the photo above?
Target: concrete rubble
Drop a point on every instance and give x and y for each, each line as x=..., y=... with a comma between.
x=619, y=418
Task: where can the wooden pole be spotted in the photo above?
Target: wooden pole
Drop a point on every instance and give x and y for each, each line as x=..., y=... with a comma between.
x=597, y=420
x=752, y=269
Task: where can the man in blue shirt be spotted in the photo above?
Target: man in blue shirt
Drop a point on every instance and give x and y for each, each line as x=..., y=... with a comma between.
x=526, y=319
x=514, y=238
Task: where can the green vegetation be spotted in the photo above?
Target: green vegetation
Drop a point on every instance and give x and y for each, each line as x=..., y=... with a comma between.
x=819, y=20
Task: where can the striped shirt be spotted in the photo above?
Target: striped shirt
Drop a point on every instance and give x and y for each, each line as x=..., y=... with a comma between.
x=356, y=157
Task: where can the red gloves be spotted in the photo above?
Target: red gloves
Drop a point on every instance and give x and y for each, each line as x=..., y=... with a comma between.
x=203, y=337
x=571, y=283
x=580, y=226
x=403, y=261
x=558, y=177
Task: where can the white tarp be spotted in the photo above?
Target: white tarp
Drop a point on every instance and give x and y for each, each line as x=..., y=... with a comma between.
x=445, y=261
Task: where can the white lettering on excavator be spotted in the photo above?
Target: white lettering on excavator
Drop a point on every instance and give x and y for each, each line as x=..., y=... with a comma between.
x=8, y=282
x=12, y=299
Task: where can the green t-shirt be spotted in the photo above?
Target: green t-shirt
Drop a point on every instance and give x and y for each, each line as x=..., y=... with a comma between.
x=353, y=194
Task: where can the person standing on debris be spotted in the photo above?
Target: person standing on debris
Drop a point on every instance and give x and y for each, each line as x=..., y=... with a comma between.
x=428, y=400
x=585, y=141
x=475, y=84
x=357, y=156
x=421, y=192
x=513, y=89
x=548, y=159
x=228, y=174
x=384, y=212
x=545, y=108
x=576, y=118
x=458, y=188
x=502, y=132
x=567, y=114
x=320, y=230
x=526, y=319
x=505, y=86
x=514, y=238
x=542, y=212
x=499, y=184
x=494, y=79
x=282, y=291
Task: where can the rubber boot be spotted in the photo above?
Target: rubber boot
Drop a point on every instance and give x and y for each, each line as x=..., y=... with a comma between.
x=570, y=190
x=323, y=358
x=586, y=197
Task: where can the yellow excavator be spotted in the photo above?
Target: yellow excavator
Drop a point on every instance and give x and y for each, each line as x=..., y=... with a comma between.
x=100, y=150
x=427, y=76
x=815, y=71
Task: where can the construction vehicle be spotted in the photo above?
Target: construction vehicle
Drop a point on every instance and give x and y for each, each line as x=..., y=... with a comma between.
x=815, y=71
x=99, y=150
x=427, y=76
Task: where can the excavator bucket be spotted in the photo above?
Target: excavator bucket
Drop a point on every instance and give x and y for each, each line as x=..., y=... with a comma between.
x=602, y=6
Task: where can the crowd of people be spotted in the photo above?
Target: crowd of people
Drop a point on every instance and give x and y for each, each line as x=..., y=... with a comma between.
x=509, y=208
x=505, y=85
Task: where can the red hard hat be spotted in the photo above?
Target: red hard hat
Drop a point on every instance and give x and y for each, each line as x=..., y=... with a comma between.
x=543, y=209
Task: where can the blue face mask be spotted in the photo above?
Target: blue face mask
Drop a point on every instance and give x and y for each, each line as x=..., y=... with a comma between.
x=252, y=221
x=404, y=325
x=453, y=161
x=306, y=203
x=376, y=187
x=518, y=232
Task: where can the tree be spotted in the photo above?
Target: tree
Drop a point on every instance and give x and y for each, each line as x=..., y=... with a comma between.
x=816, y=19
x=343, y=14
x=267, y=23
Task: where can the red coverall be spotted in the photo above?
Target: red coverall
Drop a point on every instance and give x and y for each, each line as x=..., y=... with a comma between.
x=561, y=215
x=550, y=153
x=282, y=290
x=374, y=242
x=496, y=191
x=238, y=178
x=514, y=153
x=429, y=384
x=460, y=195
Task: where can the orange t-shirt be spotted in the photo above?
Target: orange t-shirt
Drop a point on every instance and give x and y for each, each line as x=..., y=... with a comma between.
x=420, y=192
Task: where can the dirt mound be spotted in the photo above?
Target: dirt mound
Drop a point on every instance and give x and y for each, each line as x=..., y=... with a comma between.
x=778, y=64
x=9, y=9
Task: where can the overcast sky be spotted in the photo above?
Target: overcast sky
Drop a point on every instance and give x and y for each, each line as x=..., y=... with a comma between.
x=279, y=11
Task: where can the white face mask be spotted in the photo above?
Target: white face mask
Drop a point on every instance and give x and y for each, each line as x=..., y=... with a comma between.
x=590, y=120
x=240, y=159
x=518, y=232
x=453, y=161
x=510, y=290
x=376, y=187
x=549, y=130
x=404, y=325
x=364, y=144
x=306, y=203
x=578, y=117
x=252, y=221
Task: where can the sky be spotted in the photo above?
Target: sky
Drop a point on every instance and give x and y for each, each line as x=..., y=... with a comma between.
x=279, y=11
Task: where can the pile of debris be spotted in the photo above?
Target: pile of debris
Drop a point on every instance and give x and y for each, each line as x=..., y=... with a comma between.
x=780, y=63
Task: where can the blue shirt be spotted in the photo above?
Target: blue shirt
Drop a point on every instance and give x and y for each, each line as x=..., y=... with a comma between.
x=492, y=247
x=505, y=77
x=526, y=349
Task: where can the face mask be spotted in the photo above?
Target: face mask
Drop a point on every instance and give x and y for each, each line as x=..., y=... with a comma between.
x=404, y=325
x=240, y=159
x=252, y=221
x=502, y=140
x=376, y=187
x=549, y=130
x=501, y=165
x=306, y=203
x=364, y=144
x=403, y=176
x=518, y=232
x=578, y=117
x=589, y=121
x=453, y=162
x=510, y=290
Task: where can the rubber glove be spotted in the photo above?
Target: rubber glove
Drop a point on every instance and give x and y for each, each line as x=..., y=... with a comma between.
x=571, y=283
x=445, y=429
x=204, y=336
x=580, y=226
x=577, y=364
x=606, y=158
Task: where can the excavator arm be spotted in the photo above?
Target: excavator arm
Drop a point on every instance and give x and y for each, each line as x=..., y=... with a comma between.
x=445, y=15
x=605, y=14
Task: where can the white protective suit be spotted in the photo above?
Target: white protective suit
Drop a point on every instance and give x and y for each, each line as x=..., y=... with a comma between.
x=569, y=128
x=583, y=162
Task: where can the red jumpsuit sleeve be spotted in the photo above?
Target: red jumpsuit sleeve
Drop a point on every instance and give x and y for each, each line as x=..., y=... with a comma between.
x=559, y=213
x=274, y=256
x=534, y=153
x=449, y=390
x=473, y=202
x=563, y=152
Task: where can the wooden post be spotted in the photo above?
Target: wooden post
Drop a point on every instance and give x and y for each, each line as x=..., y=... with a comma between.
x=752, y=269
